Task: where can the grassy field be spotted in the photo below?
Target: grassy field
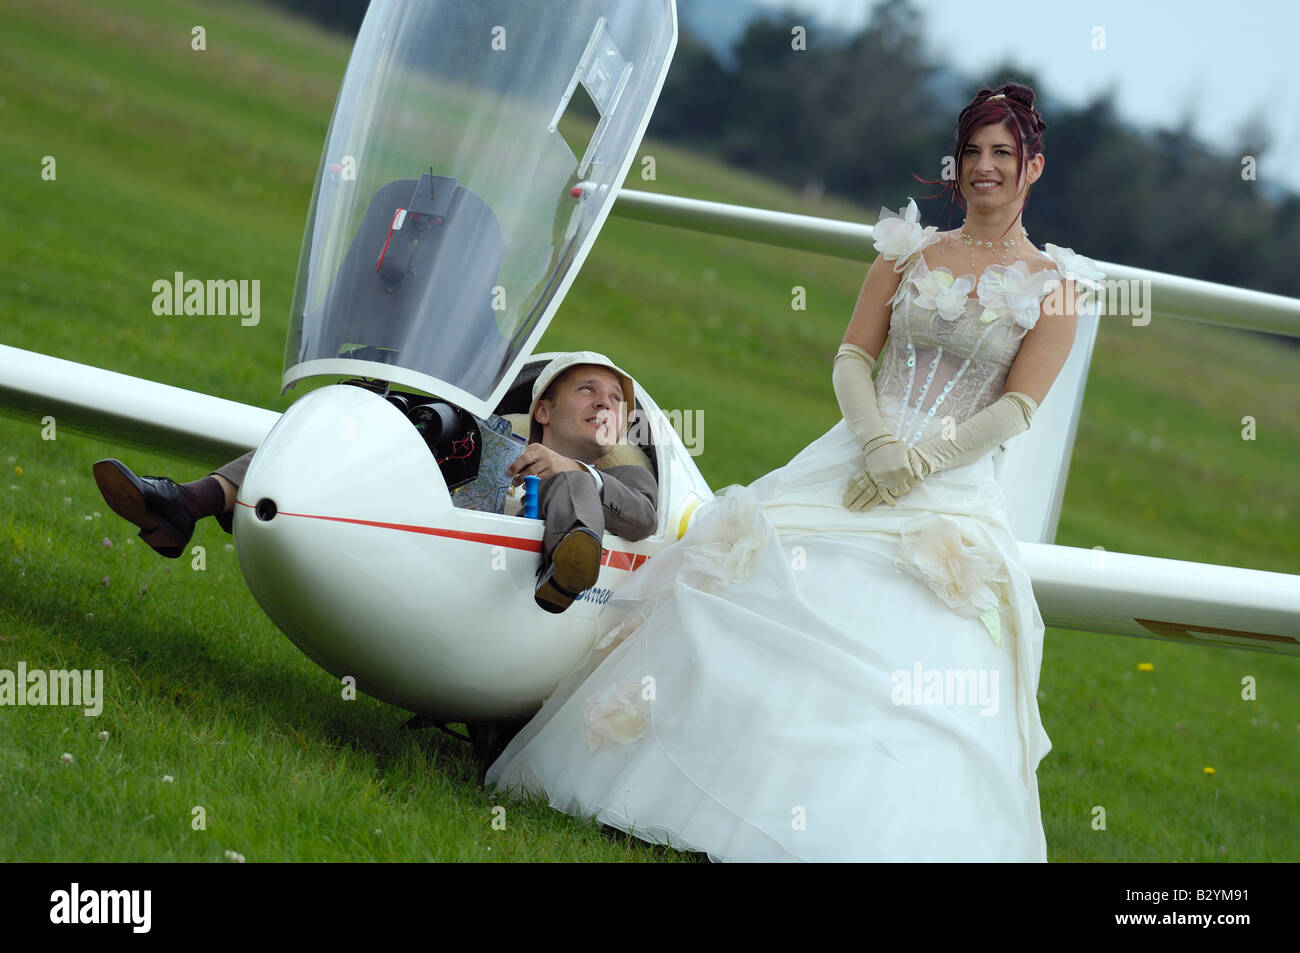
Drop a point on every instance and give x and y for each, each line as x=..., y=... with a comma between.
x=170, y=160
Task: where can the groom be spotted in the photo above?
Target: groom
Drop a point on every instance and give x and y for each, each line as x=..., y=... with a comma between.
x=591, y=479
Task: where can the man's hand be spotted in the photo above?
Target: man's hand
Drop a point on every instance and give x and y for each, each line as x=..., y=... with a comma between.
x=539, y=461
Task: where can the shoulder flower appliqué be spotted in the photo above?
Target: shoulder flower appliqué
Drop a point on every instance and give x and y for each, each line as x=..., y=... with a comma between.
x=1076, y=267
x=1083, y=271
x=900, y=235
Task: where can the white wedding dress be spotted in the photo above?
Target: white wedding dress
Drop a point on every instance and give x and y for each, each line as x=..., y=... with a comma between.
x=797, y=681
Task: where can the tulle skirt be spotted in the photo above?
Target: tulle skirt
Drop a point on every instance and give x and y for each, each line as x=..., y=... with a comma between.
x=796, y=681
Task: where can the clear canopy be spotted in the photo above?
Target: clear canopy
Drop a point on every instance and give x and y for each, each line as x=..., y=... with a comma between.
x=450, y=215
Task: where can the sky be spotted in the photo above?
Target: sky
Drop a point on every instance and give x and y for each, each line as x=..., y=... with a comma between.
x=1224, y=61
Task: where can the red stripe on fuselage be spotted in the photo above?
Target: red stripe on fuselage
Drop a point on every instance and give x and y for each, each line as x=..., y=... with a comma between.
x=614, y=558
x=620, y=560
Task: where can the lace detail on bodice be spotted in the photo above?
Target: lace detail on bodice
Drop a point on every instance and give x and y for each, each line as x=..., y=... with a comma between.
x=935, y=366
x=948, y=352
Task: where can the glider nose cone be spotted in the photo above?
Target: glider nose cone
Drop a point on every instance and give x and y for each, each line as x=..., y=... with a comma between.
x=341, y=462
x=349, y=541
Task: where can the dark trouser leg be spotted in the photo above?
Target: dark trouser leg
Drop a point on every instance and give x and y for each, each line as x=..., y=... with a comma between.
x=234, y=471
x=567, y=501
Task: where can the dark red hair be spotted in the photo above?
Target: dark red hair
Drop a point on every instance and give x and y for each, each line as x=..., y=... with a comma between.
x=1013, y=109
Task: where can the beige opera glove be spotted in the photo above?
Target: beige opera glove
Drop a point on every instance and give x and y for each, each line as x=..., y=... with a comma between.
x=1001, y=420
x=863, y=493
x=889, y=468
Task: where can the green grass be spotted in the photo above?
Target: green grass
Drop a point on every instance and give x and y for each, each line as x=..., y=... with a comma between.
x=173, y=160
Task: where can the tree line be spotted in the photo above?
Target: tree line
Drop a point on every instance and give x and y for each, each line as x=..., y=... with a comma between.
x=863, y=116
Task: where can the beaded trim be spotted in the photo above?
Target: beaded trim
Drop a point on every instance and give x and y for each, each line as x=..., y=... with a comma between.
x=921, y=426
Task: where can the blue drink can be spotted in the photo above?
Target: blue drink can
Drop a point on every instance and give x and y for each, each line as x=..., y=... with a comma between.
x=530, y=496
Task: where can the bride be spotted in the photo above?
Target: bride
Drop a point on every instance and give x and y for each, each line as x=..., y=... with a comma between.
x=840, y=661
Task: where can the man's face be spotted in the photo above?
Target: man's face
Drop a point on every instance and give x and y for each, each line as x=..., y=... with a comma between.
x=586, y=416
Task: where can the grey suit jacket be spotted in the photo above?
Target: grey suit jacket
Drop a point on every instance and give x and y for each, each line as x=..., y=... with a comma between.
x=629, y=499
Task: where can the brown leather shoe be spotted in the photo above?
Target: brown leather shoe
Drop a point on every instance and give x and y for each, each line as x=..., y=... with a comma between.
x=573, y=569
x=155, y=504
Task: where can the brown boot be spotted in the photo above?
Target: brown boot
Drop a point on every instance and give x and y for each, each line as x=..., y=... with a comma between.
x=573, y=568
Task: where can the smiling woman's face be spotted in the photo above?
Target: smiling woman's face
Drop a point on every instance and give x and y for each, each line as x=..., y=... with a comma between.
x=990, y=169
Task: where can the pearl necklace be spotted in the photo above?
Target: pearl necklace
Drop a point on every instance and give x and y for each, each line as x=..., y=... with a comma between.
x=972, y=242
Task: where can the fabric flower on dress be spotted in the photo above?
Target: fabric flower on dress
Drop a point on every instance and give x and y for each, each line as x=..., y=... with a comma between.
x=1079, y=268
x=617, y=716
x=1014, y=291
x=1083, y=271
x=939, y=290
x=967, y=575
x=899, y=235
x=721, y=546
x=723, y=540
